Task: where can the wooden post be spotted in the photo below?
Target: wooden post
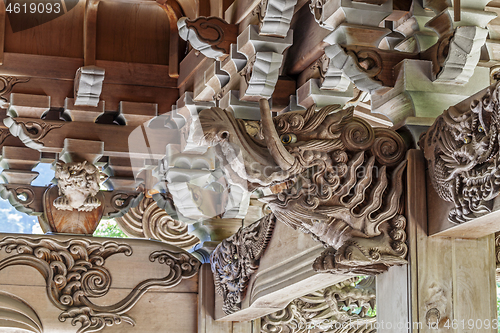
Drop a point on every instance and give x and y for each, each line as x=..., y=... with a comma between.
x=450, y=282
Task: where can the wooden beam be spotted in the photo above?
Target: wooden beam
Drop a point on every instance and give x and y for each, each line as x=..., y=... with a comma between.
x=90, y=32
x=173, y=12
x=2, y=30
x=62, y=68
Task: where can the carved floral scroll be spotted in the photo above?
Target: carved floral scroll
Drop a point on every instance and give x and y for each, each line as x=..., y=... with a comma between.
x=147, y=220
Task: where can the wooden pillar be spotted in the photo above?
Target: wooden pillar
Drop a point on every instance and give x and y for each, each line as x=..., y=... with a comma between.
x=451, y=281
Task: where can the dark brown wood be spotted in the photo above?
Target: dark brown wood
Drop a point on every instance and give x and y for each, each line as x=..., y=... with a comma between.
x=456, y=10
x=120, y=141
x=281, y=96
x=90, y=32
x=308, y=43
x=215, y=32
x=71, y=222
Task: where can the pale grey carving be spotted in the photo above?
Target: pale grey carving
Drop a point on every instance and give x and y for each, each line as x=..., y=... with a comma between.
x=236, y=258
x=78, y=184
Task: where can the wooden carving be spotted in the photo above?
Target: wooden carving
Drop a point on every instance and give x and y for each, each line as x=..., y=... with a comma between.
x=236, y=258
x=147, y=220
x=30, y=131
x=342, y=180
x=76, y=275
x=8, y=83
x=78, y=184
x=342, y=307
x=462, y=151
x=18, y=315
x=210, y=35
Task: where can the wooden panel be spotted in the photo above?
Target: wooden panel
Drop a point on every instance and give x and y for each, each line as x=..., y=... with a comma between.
x=474, y=286
x=40, y=66
x=393, y=298
x=133, y=33
x=2, y=30
x=206, y=305
x=62, y=36
x=455, y=277
x=90, y=31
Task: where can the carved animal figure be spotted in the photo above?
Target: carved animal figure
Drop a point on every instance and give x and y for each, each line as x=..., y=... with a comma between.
x=78, y=183
x=462, y=151
x=342, y=180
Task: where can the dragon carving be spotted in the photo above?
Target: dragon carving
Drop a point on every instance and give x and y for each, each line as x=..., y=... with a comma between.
x=462, y=151
x=236, y=258
x=340, y=180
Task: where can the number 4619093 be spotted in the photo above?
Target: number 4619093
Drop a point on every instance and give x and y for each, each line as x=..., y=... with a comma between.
x=33, y=8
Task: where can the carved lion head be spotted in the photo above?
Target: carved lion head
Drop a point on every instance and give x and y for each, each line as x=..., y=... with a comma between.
x=78, y=183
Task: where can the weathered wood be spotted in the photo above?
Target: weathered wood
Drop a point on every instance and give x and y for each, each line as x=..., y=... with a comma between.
x=444, y=270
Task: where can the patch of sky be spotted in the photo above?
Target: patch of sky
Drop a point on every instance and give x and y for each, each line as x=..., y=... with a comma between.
x=13, y=221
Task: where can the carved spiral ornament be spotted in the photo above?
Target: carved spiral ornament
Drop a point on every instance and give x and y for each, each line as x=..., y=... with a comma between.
x=388, y=147
x=358, y=135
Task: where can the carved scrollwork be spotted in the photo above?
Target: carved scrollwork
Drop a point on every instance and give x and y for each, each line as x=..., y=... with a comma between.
x=342, y=307
x=210, y=35
x=22, y=197
x=7, y=83
x=236, y=258
x=30, y=132
x=462, y=150
x=361, y=66
x=75, y=273
x=147, y=220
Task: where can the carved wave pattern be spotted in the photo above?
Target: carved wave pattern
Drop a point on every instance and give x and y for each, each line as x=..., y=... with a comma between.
x=74, y=272
x=147, y=220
